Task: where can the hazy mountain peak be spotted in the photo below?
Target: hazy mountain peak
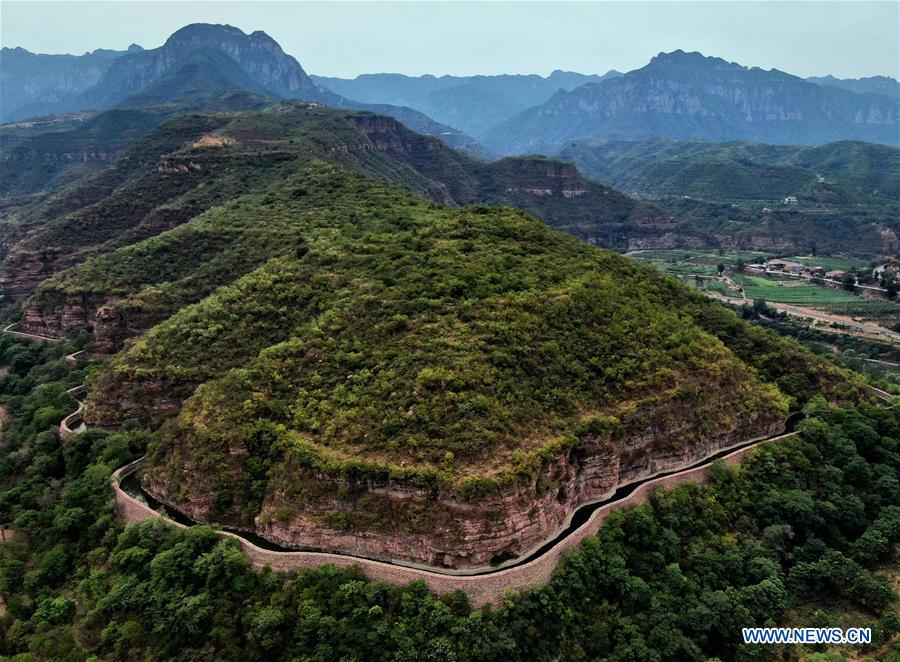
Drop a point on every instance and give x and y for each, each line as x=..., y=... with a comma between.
x=679, y=59
x=203, y=31
x=691, y=96
x=883, y=85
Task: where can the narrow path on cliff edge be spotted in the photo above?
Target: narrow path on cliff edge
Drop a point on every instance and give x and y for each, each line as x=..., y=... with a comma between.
x=28, y=336
x=130, y=485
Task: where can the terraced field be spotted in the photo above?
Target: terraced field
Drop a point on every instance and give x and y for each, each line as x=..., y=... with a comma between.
x=816, y=296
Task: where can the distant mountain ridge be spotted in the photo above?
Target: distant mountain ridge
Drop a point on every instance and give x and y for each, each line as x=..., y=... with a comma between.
x=858, y=172
x=34, y=84
x=204, y=61
x=257, y=55
x=474, y=104
x=685, y=96
x=678, y=95
x=843, y=197
x=884, y=85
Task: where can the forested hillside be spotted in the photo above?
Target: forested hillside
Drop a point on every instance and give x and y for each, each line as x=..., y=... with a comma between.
x=195, y=161
x=837, y=173
x=802, y=533
x=840, y=198
x=509, y=362
x=614, y=380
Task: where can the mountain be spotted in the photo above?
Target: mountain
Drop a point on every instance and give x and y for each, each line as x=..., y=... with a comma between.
x=843, y=172
x=32, y=84
x=336, y=355
x=847, y=194
x=682, y=95
x=202, y=62
x=883, y=85
x=203, y=74
x=257, y=56
x=175, y=172
x=474, y=104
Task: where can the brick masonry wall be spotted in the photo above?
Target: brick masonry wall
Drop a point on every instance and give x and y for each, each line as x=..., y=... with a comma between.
x=481, y=589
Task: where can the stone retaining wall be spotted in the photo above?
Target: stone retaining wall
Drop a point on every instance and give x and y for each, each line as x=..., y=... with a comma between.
x=481, y=589
x=68, y=425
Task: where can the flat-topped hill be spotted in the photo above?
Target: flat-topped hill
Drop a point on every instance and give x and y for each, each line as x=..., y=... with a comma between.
x=408, y=381
x=339, y=354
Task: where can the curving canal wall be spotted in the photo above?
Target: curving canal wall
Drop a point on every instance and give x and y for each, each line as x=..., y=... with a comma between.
x=73, y=423
x=482, y=589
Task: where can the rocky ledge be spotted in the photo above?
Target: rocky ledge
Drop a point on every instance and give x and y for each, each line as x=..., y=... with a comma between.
x=394, y=521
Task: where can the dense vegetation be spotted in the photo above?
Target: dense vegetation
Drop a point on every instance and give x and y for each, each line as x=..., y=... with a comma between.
x=446, y=346
x=838, y=173
x=458, y=351
x=797, y=534
x=847, y=192
x=196, y=161
x=879, y=361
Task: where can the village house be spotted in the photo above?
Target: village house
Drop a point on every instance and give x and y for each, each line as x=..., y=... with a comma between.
x=883, y=270
x=785, y=265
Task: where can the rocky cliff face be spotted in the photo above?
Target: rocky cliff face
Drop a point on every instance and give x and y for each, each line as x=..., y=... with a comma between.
x=24, y=270
x=393, y=521
x=257, y=54
x=685, y=95
x=32, y=83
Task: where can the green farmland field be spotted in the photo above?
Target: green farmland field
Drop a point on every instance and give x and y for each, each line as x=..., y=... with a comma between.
x=800, y=295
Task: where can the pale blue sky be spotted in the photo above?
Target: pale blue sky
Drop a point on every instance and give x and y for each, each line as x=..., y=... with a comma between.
x=847, y=39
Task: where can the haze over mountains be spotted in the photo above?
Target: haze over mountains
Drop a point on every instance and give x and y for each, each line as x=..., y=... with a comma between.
x=198, y=62
x=884, y=85
x=614, y=127
x=473, y=104
x=677, y=95
x=688, y=96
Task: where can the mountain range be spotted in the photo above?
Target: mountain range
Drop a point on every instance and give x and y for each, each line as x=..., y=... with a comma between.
x=844, y=172
x=33, y=84
x=196, y=63
x=678, y=95
x=848, y=196
x=343, y=347
x=473, y=104
x=884, y=85
x=689, y=96
x=124, y=203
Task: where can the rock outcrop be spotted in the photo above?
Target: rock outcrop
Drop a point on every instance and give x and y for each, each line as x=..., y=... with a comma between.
x=391, y=520
x=686, y=95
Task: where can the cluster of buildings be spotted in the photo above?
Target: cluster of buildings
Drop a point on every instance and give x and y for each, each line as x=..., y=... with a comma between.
x=796, y=268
